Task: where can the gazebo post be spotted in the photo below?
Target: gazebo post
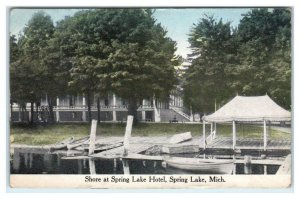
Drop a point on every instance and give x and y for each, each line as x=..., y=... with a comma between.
x=265, y=135
x=203, y=131
x=211, y=131
x=233, y=135
x=215, y=128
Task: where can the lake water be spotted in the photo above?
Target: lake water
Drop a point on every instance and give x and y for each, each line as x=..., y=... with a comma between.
x=34, y=163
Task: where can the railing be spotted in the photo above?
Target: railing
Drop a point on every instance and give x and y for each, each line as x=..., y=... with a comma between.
x=177, y=110
x=93, y=108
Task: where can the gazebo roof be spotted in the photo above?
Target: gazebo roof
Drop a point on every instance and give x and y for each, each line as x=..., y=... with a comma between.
x=250, y=108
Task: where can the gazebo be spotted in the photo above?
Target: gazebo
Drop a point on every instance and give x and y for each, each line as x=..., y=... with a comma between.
x=246, y=109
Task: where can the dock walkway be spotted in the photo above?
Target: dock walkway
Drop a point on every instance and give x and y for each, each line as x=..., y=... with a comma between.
x=140, y=144
x=249, y=143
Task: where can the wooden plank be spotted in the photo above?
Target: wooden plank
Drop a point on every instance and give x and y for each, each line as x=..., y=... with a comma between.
x=249, y=143
x=118, y=152
x=181, y=137
x=135, y=156
x=172, y=149
x=79, y=157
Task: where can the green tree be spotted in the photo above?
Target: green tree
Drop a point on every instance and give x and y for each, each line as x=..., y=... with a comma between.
x=122, y=51
x=14, y=54
x=213, y=58
x=28, y=71
x=84, y=45
x=265, y=54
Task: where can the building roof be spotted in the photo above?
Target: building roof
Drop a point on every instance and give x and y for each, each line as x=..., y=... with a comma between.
x=250, y=108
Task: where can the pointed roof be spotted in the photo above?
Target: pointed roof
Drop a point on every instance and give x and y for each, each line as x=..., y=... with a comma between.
x=250, y=108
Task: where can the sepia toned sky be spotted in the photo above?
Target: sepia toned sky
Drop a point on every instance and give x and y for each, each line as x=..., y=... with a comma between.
x=177, y=21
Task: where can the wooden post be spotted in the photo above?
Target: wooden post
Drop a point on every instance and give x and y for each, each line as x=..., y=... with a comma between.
x=127, y=134
x=204, y=137
x=93, y=137
x=211, y=131
x=233, y=135
x=215, y=124
x=265, y=135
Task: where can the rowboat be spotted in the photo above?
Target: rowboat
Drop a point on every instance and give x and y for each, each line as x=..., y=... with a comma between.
x=78, y=142
x=205, y=166
x=62, y=144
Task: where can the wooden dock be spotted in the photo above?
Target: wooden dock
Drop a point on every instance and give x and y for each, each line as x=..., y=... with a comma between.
x=118, y=152
x=140, y=144
x=249, y=143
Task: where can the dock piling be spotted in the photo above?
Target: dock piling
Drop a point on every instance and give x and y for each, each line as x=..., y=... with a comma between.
x=93, y=137
x=127, y=134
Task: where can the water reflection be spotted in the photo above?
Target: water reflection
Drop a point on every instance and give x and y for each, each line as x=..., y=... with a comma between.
x=92, y=167
x=126, y=167
x=47, y=163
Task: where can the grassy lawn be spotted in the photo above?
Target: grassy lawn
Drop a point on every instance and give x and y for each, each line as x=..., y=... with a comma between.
x=49, y=134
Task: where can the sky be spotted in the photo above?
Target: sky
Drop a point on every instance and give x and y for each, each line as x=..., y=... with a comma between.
x=178, y=22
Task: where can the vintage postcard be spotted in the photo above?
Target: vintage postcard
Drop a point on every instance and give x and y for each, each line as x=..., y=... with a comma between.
x=150, y=98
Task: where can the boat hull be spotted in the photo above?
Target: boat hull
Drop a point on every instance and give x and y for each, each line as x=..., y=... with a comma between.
x=201, y=166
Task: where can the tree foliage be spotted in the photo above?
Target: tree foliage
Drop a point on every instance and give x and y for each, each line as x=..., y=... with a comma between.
x=253, y=59
x=265, y=54
x=121, y=51
x=27, y=70
x=97, y=51
x=213, y=57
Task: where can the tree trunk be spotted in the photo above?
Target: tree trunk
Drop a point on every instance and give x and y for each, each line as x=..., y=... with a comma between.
x=132, y=109
x=98, y=109
x=23, y=112
x=32, y=112
x=89, y=106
